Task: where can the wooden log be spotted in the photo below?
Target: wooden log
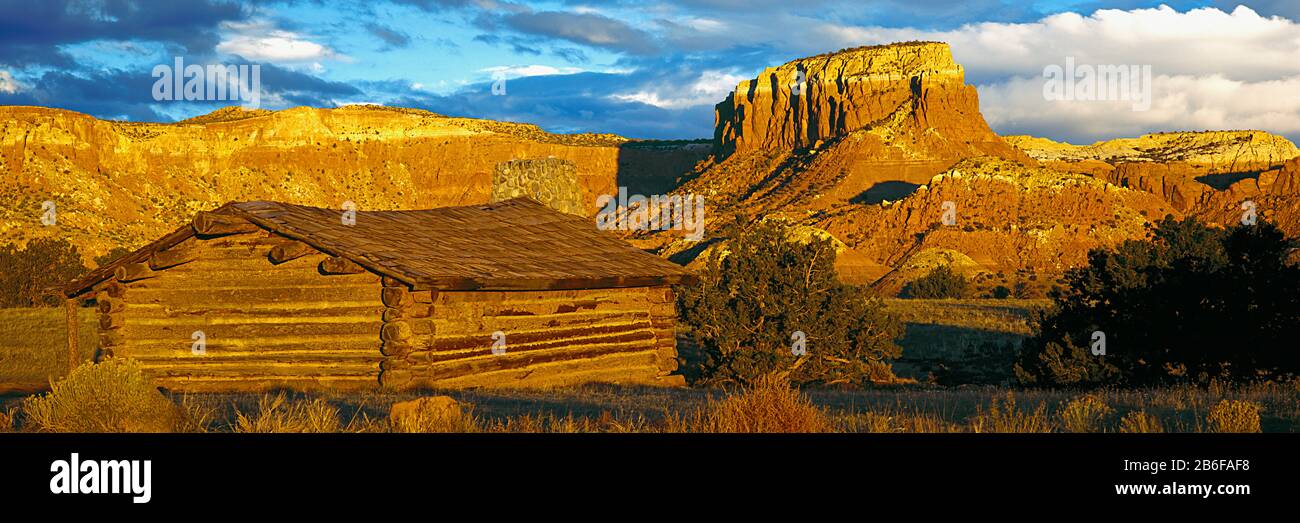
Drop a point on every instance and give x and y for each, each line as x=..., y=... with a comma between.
x=110, y=288
x=420, y=311
x=394, y=379
x=289, y=251
x=74, y=353
x=396, y=297
x=423, y=296
x=396, y=331
x=212, y=224
x=390, y=281
x=107, y=305
x=391, y=314
x=340, y=265
x=134, y=272
x=111, y=338
x=393, y=364
x=663, y=309
x=628, y=339
x=172, y=257
x=395, y=348
x=525, y=360
x=110, y=321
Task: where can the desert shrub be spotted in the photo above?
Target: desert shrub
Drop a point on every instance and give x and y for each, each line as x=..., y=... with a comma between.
x=112, y=396
x=940, y=282
x=278, y=414
x=429, y=415
x=1003, y=416
x=7, y=421
x=752, y=302
x=30, y=274
x=1191, y=303
x=1001, y=292
x=1139, y=422
x=1233, y=416
x=769, y=404
x=1086, y=413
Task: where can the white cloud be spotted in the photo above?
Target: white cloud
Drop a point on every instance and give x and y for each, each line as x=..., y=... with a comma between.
x=8, y=84
x=263, y=42
x=707, y=89
x=1180, y=102
x=520, y=71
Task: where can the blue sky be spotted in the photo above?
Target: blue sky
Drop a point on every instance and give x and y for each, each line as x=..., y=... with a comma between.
x=651, y=69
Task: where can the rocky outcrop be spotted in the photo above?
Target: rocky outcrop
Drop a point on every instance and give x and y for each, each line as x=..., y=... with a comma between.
x=122, y=184
x=551, y=181
x=913, y=94
x=1209, y=152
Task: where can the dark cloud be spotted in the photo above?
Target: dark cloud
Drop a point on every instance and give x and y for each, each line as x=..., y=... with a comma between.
x=31, y=31
x=388, y=35
x=583, y=28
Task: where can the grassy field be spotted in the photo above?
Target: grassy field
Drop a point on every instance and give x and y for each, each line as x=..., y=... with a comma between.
x=939, y=336
x=33, y=345
x=961, y=341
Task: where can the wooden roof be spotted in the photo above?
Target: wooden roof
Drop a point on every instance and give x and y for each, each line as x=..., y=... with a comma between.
x=516, y=244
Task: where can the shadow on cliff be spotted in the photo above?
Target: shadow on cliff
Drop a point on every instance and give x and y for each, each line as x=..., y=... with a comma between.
x=649, y=167
x=892, y=190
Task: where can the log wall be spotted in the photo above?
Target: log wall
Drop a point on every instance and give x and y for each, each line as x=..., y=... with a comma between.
x=546, y=338
x=265, y=325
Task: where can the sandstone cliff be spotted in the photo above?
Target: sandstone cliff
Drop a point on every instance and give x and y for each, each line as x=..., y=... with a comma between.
x=1210, y=152
x=123, y=184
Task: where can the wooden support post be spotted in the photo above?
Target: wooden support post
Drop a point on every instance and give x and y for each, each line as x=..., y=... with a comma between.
x=74, y=352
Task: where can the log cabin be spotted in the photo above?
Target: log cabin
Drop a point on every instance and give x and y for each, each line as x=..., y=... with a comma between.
x=264, y=295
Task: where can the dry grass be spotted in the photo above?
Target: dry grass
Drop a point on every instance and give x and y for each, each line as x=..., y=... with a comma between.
x=1086, y=413
x=279, y=414
x=113, y=396
x=1234, y=416
x=1002, y=415
x=33, y=344
x=769, y=405
x=1139, y=422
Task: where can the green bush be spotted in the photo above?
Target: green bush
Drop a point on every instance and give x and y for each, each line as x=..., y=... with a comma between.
x=112, y=396
x=940, y=282
x=30, y=276
x=1191, y=303
x=752, y=302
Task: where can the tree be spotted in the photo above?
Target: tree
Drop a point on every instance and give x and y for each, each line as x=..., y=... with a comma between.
x=940, y=282
x=765, y=298
x=29, y=276
x=1191, y=303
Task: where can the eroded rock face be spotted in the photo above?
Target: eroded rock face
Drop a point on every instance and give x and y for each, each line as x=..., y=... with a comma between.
x=125, y=184
x=914, y=94
x=551, y=181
